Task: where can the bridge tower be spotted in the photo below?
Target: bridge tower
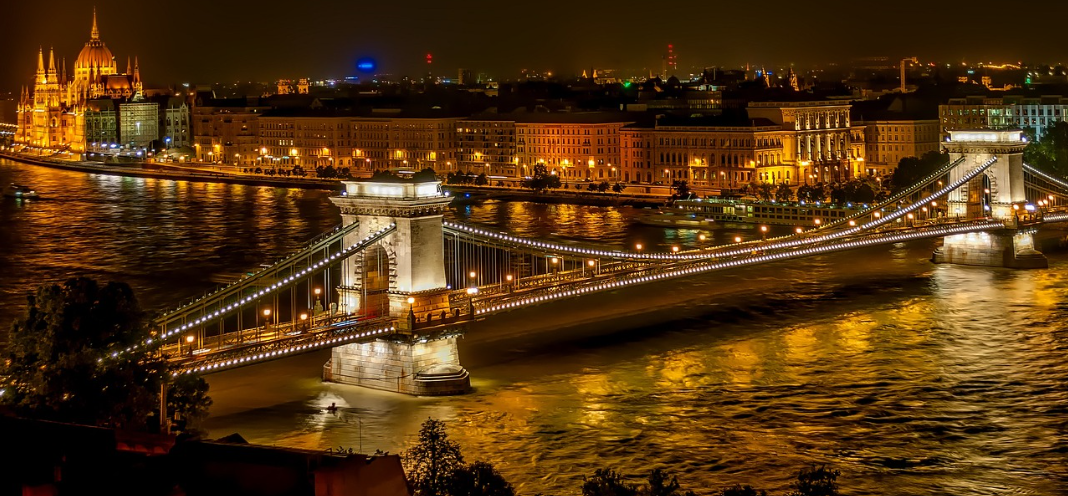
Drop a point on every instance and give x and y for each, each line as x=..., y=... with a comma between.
x=402, y=276
x=998, y=193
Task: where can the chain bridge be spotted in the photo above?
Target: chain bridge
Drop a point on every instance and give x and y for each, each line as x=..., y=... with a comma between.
x=391, y=289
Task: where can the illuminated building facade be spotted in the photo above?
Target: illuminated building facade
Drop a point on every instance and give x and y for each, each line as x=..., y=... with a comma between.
x=889, y=141
x=487, y=144
x=707, y=151
x=227, y=131
x=51, y=115
x=363, y=144
x=1007, y=112
x=818, y=145
x=138, y=123
x=576, y=146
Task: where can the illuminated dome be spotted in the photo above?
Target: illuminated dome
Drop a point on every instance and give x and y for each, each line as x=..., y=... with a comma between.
x=95, y=54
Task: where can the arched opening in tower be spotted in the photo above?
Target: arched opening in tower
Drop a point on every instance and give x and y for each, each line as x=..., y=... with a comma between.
x=375, y=300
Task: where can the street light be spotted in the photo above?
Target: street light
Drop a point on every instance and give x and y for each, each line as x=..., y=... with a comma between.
x=303, y=319
x=737, y=239
x=266, y=322
x=763, y=233
x=674, y=249
x=701, y=237
x=638, y=246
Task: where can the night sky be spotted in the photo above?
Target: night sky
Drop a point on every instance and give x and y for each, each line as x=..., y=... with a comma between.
x=222, y=40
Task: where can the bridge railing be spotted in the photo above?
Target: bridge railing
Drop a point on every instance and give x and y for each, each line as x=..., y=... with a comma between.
x=312, y=246
x=221, y=303
x=659, y=272
x=331, y=336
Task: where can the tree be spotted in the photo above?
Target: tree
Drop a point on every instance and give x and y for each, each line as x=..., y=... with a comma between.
x=481, y=180
x=618, y=188
x=432, y=462
x=187, y=399
x=603, y=186
x=765, y=191
x=911, y=170
x=607, y=482
x=738, y=490
x=783, y=193
x=542, y=179
x=77, y=355
x=479, y=479
x=662, y=484
x=815, y=481
x=426, y=175
x=1049, y=153
x=680, y=189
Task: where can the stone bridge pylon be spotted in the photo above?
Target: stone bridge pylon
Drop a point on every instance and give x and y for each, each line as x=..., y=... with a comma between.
x=999, y=193
x=402, y=277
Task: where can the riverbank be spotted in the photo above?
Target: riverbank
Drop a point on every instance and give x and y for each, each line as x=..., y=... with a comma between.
x=463, y=194
x=163, y=171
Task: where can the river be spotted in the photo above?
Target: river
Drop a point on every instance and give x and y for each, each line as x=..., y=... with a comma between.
x=908, y=377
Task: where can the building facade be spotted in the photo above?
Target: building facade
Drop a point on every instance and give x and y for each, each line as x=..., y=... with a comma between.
x=575, y=146
x=227, y=131
x=1006, y=112
x=889, y=141
x=487, y=144
x=138, y=123
x=818, y=146
x=363, y=144
x=712, y=152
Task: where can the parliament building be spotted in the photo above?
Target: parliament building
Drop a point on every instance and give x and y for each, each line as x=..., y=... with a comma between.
x=54, y=114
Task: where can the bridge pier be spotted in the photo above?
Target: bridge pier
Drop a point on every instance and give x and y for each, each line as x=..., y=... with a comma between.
x=1015, y=250
x=408, y=365
x=403, y=276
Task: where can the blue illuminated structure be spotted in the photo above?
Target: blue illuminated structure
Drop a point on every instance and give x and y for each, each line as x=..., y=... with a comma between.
x=366, y=65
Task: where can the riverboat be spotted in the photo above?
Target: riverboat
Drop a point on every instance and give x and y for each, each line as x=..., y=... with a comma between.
x=21, y=192
x=712, y=212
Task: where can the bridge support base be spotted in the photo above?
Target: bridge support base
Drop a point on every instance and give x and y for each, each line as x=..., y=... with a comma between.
x=407, y=365
x=1015, y=250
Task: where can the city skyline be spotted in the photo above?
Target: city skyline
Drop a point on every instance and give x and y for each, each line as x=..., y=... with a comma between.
x=231, y=43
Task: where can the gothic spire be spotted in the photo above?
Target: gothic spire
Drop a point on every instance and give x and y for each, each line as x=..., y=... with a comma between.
x=95, y=35
x=137, y=70
x=40, y=60
x=129, y=68
x=51, y=60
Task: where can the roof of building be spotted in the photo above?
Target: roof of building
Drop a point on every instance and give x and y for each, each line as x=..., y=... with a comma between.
x=727, y=119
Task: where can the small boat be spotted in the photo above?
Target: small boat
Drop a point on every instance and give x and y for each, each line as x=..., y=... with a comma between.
x=20, y=191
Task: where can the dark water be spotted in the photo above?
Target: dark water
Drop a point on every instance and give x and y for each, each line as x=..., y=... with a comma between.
x=910, y=378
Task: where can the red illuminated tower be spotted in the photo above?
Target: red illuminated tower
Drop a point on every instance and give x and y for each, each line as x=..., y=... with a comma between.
x=672, y=62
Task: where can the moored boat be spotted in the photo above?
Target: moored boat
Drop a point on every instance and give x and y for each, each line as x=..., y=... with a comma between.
x=710, y=212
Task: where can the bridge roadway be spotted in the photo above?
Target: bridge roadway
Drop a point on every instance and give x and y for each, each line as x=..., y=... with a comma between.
x=504, y=299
